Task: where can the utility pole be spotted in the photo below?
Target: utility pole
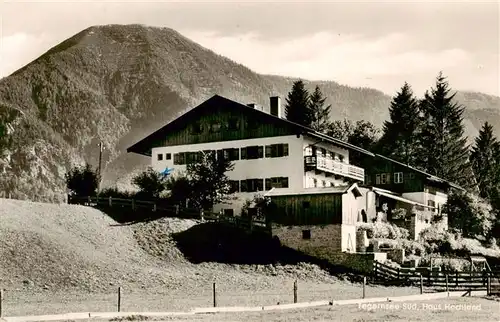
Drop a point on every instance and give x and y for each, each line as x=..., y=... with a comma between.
x=100, y=163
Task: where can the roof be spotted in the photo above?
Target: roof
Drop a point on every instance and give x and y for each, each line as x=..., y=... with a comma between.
x=144, y=145
x=399, y=198
x=428, y=176
x=315, y=191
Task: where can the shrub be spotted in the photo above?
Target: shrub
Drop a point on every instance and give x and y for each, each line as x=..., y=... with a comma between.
x=114, y=192
x=470, y=215
x=151, y=183
x=449, y=264
x=82, y=181
x=399, y=213
x=384, y=230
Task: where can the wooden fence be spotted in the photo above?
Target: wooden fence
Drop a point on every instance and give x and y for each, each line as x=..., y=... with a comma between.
x=438, y=280
x=164, y=209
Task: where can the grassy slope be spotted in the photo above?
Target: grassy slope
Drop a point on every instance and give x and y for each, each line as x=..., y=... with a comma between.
x=117, y=83
x=77, y=257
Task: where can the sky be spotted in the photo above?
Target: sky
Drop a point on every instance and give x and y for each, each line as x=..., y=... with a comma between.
x=377, y=44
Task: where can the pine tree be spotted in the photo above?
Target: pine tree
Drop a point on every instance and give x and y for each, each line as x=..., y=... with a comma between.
x=399, y=134
x=319, y=112
x=485, y=162
x=297, y=105
x=443, y=149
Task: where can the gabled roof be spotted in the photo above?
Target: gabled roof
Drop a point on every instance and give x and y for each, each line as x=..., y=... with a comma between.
x=144, y=145
x=428, y=176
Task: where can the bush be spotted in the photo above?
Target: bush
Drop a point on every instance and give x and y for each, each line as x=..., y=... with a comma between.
x=151, y=183
x=384, y=230
x=82, y=181
x=470, y=215
x=449, y=264
x=114, y=192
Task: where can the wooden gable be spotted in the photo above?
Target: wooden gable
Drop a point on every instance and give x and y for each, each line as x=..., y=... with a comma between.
x=217, y=119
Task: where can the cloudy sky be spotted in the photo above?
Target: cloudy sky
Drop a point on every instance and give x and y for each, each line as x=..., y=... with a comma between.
x=378, y=44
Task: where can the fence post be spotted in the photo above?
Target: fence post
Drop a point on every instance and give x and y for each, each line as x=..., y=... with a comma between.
x=447, y=289
x=89, y=199
x=133, y=204
x=1, y=303
x=456, y=279
x=119, y=298
x=488, y=285
x=176, y=209
x=375, y=270
x=201, y=214
x=295, y=297
x=421, y=284
x=110, y=201
x=154, y=207
x=399, y=274
x=364, y=286
x=214, y=295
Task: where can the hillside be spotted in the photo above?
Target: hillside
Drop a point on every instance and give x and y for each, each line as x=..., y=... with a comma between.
x=65, y=247
x=118, y=83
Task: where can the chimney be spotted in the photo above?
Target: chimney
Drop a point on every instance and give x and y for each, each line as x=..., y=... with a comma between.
x=255, y=106
x=275, y=106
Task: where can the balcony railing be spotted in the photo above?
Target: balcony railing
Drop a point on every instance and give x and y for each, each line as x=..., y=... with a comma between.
x=335, y=167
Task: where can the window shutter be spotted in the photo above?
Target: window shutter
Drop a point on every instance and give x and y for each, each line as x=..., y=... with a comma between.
x=268, y=184
x=268, y=151
x=260, y=151
x=285, y=149
x=243, y=153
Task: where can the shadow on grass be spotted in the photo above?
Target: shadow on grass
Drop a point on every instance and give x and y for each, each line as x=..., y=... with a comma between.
x=222, y=243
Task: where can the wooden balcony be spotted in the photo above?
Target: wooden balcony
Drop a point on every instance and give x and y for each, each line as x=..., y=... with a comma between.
x=335, y=167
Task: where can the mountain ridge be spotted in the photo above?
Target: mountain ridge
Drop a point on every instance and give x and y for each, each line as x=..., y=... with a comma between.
x=119, y=83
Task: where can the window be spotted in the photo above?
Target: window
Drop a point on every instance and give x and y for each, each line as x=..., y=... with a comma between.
x=234, y=186
x=306, y=204
x=431, y=203
x=385, y=178
x=252, y=185
x=180, y=158
x=169, y=156
x=193, y=157
x=377, y=179
x=341, y=158
x=160, y=156
x=306, y=234
x=233, y=124
x=315, y=183
x=368, y=179
x=398, y=177
x=215, y=127
x=276, y=150
x=323, y=183
x=197, y=128
x=229, y=154
x=252, y=152
x=276, y=182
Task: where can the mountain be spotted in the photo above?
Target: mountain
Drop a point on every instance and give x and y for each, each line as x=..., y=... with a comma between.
x=118, y=83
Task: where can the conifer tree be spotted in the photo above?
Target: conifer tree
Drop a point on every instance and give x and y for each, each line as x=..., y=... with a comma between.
x=399, y=134
x=297, y=105
x=443, y=149
x=486, y=163
x=319, y=112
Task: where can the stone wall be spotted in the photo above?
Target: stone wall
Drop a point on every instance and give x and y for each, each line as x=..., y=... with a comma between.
x=328, y=242
x=307, y=239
